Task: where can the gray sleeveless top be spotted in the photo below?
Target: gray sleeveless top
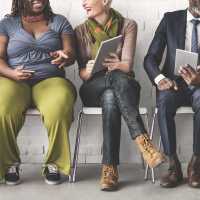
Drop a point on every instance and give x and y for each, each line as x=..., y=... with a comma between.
x=33, y=54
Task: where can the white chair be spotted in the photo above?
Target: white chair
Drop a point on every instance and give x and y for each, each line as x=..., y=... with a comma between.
x=35, y=112
x=181, y=110
x=94, y=111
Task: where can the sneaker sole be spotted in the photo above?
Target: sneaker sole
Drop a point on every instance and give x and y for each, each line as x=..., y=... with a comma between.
x=13, y=183
x=52, y=182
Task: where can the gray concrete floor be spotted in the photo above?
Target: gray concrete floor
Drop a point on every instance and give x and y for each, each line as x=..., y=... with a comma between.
x=132, y=187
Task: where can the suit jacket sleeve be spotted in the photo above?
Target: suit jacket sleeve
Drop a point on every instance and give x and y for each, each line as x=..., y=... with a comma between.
x=155, y=53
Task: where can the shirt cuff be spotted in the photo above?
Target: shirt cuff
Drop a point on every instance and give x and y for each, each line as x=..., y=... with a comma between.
x=159, y=78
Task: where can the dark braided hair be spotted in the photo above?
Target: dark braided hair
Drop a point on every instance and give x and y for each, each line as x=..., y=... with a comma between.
x=18, y=9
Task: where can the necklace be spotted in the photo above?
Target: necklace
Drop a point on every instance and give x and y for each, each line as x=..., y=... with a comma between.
x=31, y=19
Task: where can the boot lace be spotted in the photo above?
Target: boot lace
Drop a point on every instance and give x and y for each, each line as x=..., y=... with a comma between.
x=148, y=146
x=109, y=172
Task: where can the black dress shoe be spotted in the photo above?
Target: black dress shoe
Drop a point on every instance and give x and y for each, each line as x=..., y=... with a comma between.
x=194, y=172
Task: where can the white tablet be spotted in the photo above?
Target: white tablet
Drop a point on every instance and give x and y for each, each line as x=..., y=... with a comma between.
x=106, y=47
x=185, y=58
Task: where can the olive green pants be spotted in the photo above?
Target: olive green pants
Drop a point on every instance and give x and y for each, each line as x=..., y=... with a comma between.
x=54, y=98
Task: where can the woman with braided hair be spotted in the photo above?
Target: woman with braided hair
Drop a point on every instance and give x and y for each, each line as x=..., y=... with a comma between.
x=35, y=46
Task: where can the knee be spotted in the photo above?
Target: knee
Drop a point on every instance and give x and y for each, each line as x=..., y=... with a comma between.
x=108, y=97
x=58, y=114
x=165, y=100
x=58, y=110
x=119, y=77
x=121, y=81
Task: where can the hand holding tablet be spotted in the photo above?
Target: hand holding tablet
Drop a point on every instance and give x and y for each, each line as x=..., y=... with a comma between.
x=184, y=59
x=106, y=48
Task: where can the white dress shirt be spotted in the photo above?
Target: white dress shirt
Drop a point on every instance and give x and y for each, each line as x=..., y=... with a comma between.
x=188, y=40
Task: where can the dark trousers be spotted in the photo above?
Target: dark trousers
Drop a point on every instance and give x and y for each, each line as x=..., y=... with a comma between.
x=168, y=102
x=118, y=94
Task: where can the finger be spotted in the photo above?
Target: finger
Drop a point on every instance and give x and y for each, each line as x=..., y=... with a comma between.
x=186, y=78
x=175, y=85
x=53, y=54
x=185, y=72
x=57, y=60
x=61, y=66
x=20, y=67
x=110, y=60
x=25, y=75
x=114, y=55
x=169, y=83
x=64, y=55
x=190, y=71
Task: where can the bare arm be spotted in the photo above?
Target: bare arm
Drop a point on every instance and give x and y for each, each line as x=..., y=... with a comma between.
x=68, y=48
x=66, y=56
x=5, y=70
x=16, y=74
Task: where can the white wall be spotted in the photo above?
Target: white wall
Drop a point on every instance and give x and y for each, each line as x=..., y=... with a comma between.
x=148, y=13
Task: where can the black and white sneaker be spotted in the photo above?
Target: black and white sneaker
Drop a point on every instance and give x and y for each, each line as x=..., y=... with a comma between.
x=12, y=176
x=52, y=175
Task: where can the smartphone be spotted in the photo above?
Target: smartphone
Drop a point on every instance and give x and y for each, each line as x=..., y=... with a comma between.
x=28, y=71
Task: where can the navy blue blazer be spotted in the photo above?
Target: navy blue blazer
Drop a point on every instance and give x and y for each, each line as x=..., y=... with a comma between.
x=170, y=33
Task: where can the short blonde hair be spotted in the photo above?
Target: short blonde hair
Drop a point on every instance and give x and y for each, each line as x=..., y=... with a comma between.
x=109, y=2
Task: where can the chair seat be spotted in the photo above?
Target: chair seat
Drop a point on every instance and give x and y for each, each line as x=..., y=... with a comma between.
x=32, y=111
x=181, y=110
x=98, y=110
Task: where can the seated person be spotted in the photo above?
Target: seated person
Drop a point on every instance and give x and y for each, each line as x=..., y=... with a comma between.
x=177, y=30
x=114, y=88
x=35, y=45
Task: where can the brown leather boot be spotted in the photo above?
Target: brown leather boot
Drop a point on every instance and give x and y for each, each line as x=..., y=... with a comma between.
x=194, y=172
x=174, y=177
x=150, y=154
x=109, y=178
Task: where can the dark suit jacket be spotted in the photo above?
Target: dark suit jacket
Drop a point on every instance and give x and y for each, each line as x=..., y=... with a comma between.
x=171, y=34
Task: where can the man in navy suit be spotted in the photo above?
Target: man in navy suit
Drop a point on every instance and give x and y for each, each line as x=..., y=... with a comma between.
x=177, y=30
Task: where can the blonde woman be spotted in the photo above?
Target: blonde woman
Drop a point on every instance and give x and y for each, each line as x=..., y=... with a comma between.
x=114, y=88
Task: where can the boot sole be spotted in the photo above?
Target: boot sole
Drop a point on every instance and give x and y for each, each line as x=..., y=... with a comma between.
x=109, y=189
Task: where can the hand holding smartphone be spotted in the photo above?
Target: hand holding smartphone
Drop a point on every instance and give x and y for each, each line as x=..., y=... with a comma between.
x=27, y=70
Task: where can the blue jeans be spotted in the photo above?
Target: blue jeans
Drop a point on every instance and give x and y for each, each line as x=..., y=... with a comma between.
x=168, y=102
x=118, y=94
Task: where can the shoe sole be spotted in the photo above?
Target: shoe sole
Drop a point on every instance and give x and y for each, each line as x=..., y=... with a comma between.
x=13, y=183
x=52, y=182
x=109, y=189
x=179, y=182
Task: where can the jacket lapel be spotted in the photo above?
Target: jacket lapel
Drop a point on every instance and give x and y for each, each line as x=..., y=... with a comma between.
x=181, y=23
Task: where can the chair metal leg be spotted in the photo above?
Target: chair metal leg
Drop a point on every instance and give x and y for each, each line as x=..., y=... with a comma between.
x=76, y=150
x=152, y=175
x=160, y=142
x=70, y=178
x=151, y=137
